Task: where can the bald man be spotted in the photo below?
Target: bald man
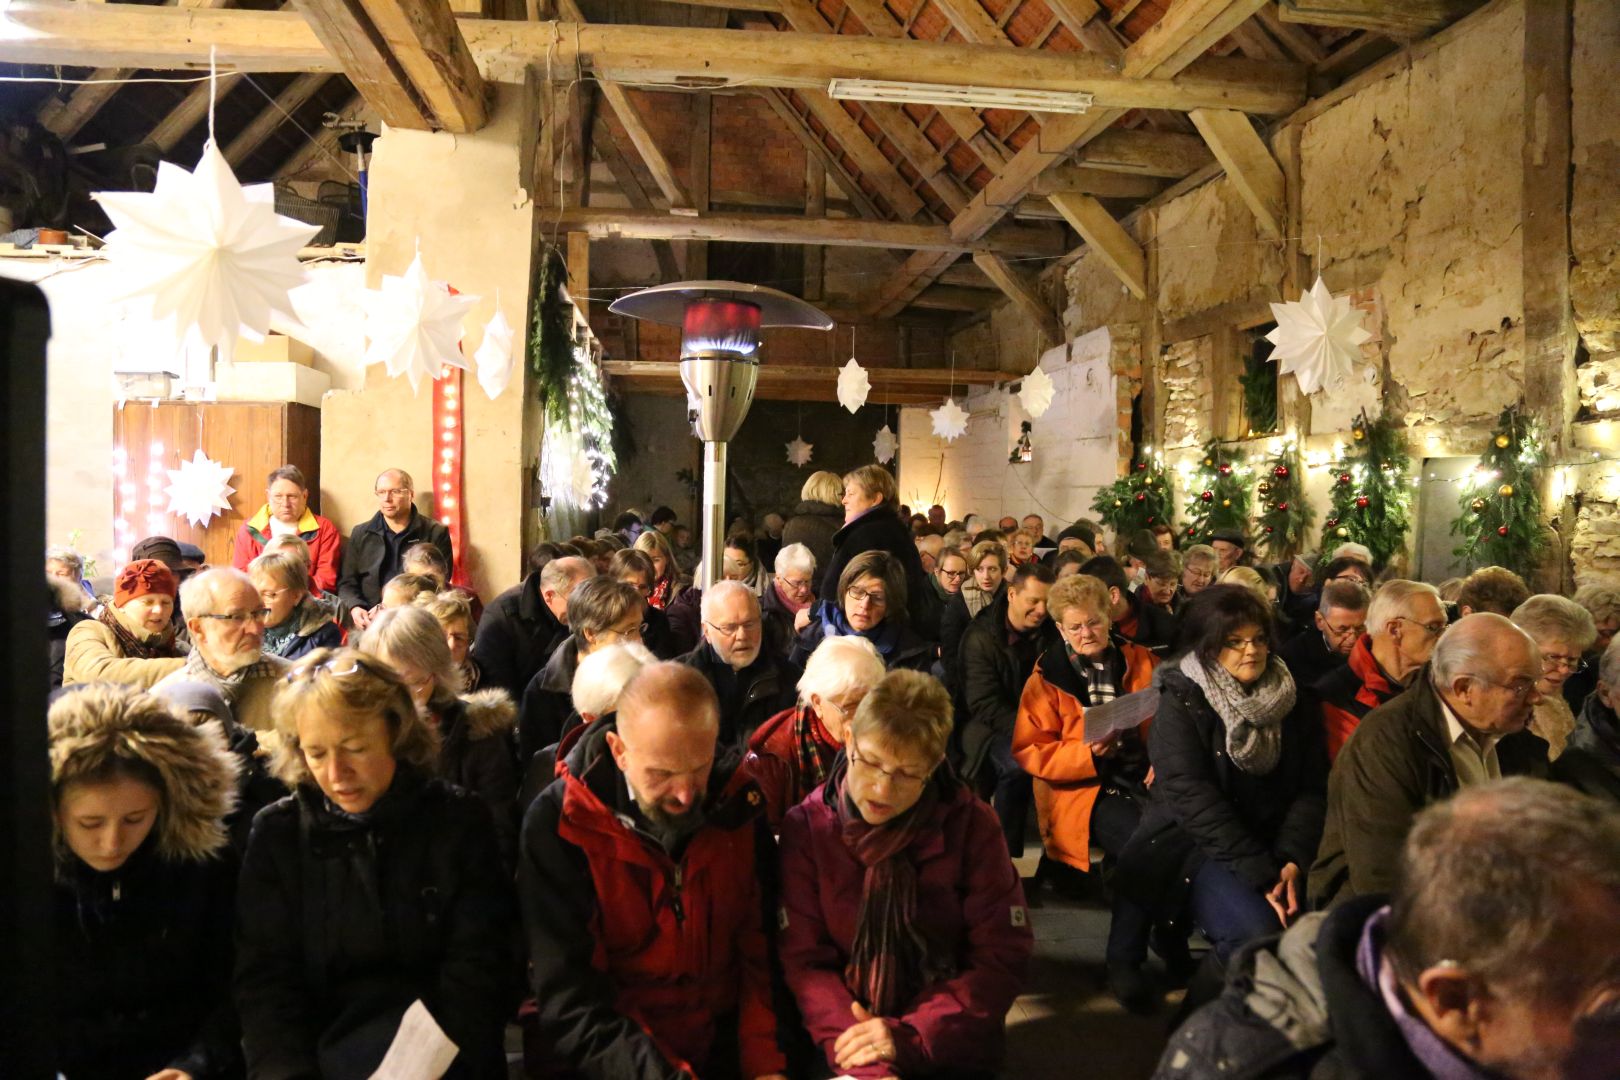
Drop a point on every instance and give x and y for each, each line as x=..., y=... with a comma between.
x=1461, y=722
x=641, y=901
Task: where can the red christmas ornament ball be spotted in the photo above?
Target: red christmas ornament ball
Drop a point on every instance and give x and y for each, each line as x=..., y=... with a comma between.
x=1140, y=465
x=1141, y=496
x=1283, y=507
x=1268, y=530
x=1501, y=530
x=1281, y=470
x=1207, y=496
x=1226, y=470
x=1361, y=503
x=1344, y=478
x=1330, y=522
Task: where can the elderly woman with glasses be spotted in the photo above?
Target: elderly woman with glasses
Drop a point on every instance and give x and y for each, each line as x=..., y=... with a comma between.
x=131, y=640
x=1199, y=565
x=1240, y=779
x=373, y=886
x=601, y=612
x=1563, y=630
x=297, y=623
x=904, y=936
x=786, y=604
x=871, y=603
x=1088, y=792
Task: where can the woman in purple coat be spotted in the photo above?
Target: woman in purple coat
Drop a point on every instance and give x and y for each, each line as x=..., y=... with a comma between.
x=904, y=934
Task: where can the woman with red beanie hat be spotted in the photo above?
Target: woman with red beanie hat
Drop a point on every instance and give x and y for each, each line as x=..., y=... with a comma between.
x=132, y=641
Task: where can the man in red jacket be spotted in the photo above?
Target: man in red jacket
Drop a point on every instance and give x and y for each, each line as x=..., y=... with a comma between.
x=641, y=898
x=1404, y=621
x=286, y=512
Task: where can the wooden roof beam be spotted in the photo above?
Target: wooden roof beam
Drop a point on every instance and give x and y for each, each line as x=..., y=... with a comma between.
x=64, y=32
x=178, y=121
x=630, y=186
x=1021, y=289
x=1146, y=153
x=1082, y=180
x=406, y=57
x=323, y=145
x=1405, y=19
x=273, y=115
x=1248, y=164
x=1108, y=238
x=795, y=122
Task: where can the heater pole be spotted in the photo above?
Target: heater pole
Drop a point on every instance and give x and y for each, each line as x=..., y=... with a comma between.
x=714, y=514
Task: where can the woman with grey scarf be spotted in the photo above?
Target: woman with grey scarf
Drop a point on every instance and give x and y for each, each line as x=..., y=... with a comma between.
x=1239, y=780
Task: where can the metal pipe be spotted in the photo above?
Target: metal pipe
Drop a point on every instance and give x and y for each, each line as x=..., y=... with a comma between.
x=714, y=514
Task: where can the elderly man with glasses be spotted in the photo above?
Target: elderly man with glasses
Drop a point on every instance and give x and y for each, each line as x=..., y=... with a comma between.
x=752, y=683
x=1316, y=651
x=1563, y=631
x=226, y=619
x=1461, y=722
x=377, y=547
x=1404, y=621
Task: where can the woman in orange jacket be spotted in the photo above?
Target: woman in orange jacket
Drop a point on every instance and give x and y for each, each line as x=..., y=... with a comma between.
x=1088, y=792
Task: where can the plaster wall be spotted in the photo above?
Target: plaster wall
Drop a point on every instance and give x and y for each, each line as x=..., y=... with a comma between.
x=458, y=196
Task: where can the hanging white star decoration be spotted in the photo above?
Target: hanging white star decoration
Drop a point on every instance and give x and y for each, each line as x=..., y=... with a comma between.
x=798, y=452
x=885, y=445
x=199, y=489
x=1035, y=395
x=1318, y=338
x=413, y=324
x=209, y=259
x=853, y=385
x=950, y=421
x=494, y=356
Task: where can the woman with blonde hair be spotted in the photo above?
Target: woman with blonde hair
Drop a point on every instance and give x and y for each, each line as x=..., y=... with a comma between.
x=818, y=516
x=455, y=617
x=144, y=893
x=904, y=936
x=475, y=730
x=668, y=581
x=373, y=886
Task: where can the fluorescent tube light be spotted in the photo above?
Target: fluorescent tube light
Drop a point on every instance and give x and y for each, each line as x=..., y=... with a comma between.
x=972, y=97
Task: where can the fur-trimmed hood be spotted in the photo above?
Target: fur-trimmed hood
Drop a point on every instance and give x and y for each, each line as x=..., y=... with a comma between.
x=487, y=713
x=70, y=599
x=95, y=724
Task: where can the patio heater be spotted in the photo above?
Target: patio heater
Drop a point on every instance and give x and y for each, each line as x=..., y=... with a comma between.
x=720, y=323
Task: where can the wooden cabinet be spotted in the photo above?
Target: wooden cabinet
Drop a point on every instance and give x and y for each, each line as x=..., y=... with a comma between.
x=250, y=438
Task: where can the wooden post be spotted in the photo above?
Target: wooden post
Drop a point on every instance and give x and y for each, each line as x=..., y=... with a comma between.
x=697, y=251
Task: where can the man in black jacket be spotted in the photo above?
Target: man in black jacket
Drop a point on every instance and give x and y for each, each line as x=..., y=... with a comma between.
x=525, y=624
x=753, y=683
x=1461, y=723
x=999, y=650
x=1144, y=624
x=376, y=548
x=1417, y=986
x=1319, y=650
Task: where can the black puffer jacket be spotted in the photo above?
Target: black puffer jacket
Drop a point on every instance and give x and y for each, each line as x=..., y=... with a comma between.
x=475, y=754
x=748, y=697
x=516, y=637
x=546, y=702
x=344, y=920
x=1202, y=806
x=143, y=968
x=814, y=524
x=879, y=530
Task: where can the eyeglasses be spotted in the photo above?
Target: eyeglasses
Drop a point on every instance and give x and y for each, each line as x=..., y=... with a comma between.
x=633, y=634
x=733, y=630
x=1238, y=645
x=1197, y=577
x=1435, y=629
x=1520, y=689
x=1342, y=632
x=241, y=617
x=899, y=779
x=1095, y=626
x=953, y=575
x=796, y=586
x=329, y=666
x=392, y=492
x=866, y=596
x=1551, y=662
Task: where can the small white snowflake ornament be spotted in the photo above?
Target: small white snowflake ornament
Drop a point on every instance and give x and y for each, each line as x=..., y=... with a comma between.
x=853, y=385
x=798, y=452
x=494, y=356
x=885, y=445
x=1035, y=395
x=413, y=324
x=950, y=421
x=1318, y=338
x=199, y=489
x=210, y=259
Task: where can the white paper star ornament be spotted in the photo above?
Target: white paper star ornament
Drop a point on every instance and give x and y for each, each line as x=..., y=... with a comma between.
x=494, y=356
x=950, y=421
x=199, y=489
x=1036, y=393
x=853, y=385
x=206, y=256
x=885, y=445
x=1318, y=338
x=798, y=452
x=413, y=324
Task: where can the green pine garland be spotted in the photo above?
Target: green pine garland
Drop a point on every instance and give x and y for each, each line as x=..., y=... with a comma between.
x=551, y=346
x=1137, y=500
x=1372, y=496
x=1500, y=520
x=573, y=395
x=1286, y=514
x=1218, y=493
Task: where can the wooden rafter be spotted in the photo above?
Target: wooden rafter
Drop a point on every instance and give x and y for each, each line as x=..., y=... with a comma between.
x=874, y=166
x=1397, y=18
x=1021, y=289
x=323, y=145
x=899, y=386
x=1083, y=180
x=795, y=123
x=178, y=121
x=630, y=186
x=64, y=32
x=406, y=57
x=1107, y=238
x=1248, y=164
x=273, y=115
x=1147, y=153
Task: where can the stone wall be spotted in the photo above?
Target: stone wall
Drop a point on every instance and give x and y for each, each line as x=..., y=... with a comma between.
x=1185, y=374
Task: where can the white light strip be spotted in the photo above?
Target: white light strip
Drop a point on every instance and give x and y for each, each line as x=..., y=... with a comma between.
x=973, y=97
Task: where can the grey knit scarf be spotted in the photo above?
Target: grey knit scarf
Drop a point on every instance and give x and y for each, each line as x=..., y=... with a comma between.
x=1253, y=716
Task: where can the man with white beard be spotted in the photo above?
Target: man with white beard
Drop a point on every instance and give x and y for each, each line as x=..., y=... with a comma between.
x=225, y=618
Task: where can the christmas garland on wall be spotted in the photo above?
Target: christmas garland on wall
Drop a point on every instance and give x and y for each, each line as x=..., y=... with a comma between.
x=1218, y=493
x=577, y=449
x=1372, y=495
x=1142, y=498
x=1285, y=515
x=1500, y=520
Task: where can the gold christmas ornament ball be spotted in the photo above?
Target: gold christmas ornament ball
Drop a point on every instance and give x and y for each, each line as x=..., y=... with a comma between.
x=1477, y=506
x=1264, y=488
x=1506, y=491
x=1209, y=461
x=1341, y=532
x=1226, y=502
x=1502, y=442
x=1118, y=503
x=1358, y=434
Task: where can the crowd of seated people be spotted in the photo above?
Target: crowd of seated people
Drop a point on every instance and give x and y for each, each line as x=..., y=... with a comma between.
x=774, y=828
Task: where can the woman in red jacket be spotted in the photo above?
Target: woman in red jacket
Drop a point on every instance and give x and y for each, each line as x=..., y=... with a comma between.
x=904, y=935
x=1088, y=792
